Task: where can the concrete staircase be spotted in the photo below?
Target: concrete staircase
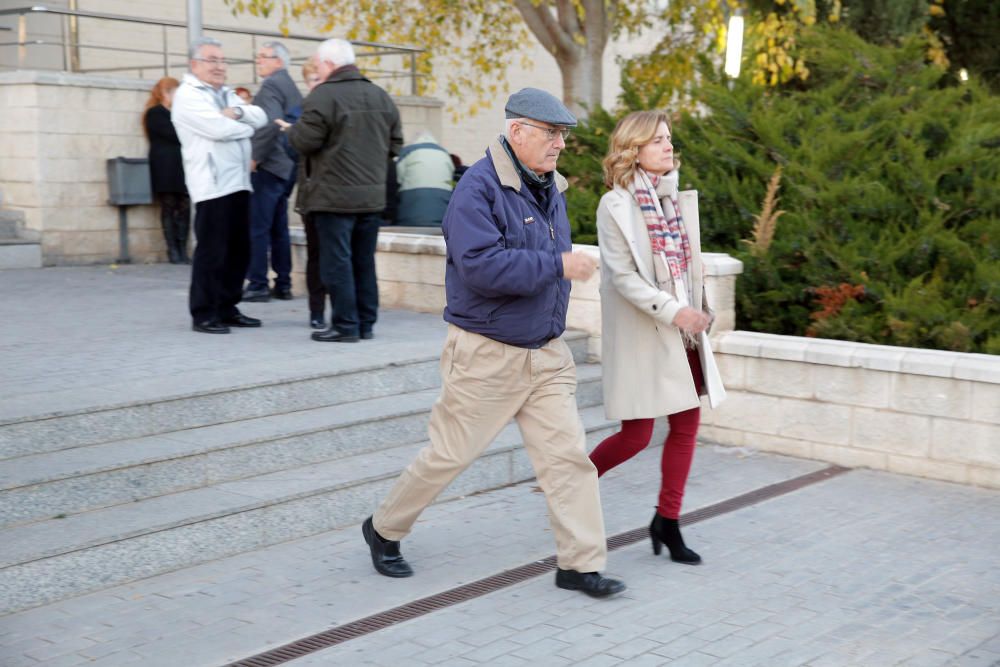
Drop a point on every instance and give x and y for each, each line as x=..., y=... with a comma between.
x=19, y=247
x=100, y=497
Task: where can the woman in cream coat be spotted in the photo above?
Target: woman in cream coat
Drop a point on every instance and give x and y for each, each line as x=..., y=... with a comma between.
x=654, y=316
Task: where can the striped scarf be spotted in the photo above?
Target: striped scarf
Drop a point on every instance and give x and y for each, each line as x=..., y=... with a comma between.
x=667, y=236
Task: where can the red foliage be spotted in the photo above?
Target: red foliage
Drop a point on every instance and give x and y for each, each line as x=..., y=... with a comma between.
x=831, y=299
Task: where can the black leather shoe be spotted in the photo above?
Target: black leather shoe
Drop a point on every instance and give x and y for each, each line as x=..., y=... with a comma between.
x=331, y=335
x=317, y=322
x=285, y=293
x=367, y=335
x=256, y=295
x=241, y=320
x=210, y=326
x=385, y=553
x=591, y=583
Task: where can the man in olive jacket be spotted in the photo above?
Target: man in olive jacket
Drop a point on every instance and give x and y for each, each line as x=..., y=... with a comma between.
x=348, y=132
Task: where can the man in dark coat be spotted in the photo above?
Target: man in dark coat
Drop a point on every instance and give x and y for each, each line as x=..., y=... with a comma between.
x=507, y=280
x=349, y=130
x=273, y=171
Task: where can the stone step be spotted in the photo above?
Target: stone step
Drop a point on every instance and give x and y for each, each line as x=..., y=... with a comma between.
x=20, y=254
x=70, y=481
x=58, y=558
x=158, y=409
x=12, y=226
x=11, y=223
x=164, y=414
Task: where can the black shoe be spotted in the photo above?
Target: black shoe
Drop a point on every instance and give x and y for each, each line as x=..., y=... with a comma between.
x=668, y=531
x=317, y=322
x=256, y=295
x=283, y=293
x=210, y=326
x=591, y=583
x=331, y=335
x=367, y=335
x=385, y=553
x=241, y=320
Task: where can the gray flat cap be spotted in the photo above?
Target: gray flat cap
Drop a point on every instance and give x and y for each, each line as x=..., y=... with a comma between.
x=539, y=105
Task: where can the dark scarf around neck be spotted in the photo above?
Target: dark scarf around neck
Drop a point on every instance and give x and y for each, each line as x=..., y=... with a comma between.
x=530, y=178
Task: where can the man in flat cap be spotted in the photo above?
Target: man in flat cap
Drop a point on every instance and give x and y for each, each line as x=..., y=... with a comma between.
x=507, y=280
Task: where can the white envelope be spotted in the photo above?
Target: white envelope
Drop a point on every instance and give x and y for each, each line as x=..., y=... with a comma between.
x=713, y=381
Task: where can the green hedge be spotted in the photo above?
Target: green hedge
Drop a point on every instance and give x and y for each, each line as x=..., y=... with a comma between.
x=889, y=186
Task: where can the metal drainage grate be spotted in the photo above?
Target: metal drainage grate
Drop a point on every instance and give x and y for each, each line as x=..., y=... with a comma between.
x=496, y=582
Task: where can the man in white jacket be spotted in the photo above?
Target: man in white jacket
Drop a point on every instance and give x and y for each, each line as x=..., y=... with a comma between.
x=214, y=127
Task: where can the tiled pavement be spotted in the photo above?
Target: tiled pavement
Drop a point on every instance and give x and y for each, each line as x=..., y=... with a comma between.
x=71, y=338
x=863, y=569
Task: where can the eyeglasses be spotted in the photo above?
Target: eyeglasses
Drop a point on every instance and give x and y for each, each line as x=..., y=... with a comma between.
x=261, y=56
x=550, y=132
x=213, y=61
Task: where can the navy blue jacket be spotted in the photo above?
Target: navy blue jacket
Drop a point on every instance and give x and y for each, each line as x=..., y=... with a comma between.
x=503, y=277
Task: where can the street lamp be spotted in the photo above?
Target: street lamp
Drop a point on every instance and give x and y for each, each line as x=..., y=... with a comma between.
x=734, y=45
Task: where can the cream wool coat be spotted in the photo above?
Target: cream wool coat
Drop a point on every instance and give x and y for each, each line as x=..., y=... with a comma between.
x=645, y=368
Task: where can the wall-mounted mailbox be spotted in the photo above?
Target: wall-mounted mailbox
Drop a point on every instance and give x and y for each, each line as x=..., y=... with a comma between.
x=128, y=184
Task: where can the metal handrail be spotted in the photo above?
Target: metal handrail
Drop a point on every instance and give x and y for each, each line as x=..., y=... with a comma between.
x=378, y=48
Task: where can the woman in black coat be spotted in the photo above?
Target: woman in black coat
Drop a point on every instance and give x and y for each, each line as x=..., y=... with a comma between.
x=167, y=170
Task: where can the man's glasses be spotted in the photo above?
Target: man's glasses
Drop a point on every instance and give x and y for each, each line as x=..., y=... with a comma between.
x=261, y=56
x=217, y=62
x=550, y=132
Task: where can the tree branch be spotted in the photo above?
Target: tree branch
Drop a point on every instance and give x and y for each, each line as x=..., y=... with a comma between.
x=568, y=18
x=596, y=21
x=545, y=27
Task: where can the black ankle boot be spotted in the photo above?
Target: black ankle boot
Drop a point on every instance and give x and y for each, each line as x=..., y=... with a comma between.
x=172, y=235
x=183, y=229
x=668, y=531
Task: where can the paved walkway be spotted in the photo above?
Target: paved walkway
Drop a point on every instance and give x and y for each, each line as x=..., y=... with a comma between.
x=71, y=338
x=864, y=569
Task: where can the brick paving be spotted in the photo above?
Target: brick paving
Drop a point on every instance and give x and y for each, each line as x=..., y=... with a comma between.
x=867, y=568
x=864, y=569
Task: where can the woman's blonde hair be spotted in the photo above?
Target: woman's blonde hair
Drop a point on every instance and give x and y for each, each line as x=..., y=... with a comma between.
x=632, y=133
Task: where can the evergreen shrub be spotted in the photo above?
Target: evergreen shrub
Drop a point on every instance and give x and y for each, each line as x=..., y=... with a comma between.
x=888, y=195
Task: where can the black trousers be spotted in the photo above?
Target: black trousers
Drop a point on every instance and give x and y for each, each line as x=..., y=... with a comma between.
x=347, y=267
x=317, y=293
x=222, y=227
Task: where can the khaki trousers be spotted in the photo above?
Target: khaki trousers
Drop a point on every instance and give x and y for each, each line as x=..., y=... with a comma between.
x=484, y=385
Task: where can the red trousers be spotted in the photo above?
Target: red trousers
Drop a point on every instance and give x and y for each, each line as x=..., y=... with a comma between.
x=678, y=448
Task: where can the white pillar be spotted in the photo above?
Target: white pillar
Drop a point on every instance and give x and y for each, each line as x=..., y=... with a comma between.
x=194, y=20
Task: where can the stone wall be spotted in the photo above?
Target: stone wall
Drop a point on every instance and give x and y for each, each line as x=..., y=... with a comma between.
x=411, y=276
x=56, y=132
x=918, y=412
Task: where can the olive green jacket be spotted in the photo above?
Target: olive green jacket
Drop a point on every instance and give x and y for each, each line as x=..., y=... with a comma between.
x=348, y=133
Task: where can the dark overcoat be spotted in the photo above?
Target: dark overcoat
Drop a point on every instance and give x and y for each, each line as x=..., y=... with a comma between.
x=166, y=168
